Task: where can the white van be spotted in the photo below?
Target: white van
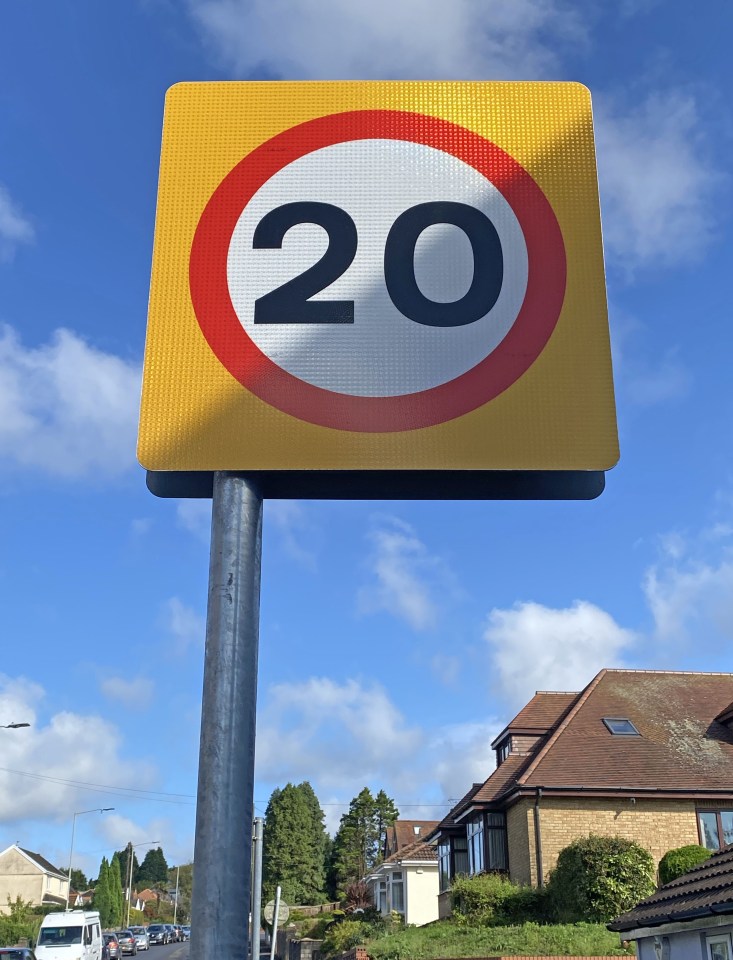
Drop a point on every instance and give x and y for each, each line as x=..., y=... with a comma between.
x=72, y=935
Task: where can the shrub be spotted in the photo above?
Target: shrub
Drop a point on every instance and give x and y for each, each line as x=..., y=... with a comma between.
x=597, y=878
x=343, y=936
x=357, y=896
x=678, y=861
x=490, y=899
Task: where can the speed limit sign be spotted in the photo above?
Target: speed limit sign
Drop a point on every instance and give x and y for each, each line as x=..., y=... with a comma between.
x=377, y=278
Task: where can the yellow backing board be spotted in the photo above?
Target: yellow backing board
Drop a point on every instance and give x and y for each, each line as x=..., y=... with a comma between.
x=469, y=329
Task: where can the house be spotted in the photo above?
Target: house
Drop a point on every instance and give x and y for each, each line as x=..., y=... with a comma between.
x=642, y=754
x=31, y=877
x=690, y=918
x=407, y=878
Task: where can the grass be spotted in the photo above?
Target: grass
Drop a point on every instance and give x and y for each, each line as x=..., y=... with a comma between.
x=446, y=939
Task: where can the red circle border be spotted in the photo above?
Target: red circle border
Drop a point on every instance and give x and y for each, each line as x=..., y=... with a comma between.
x=535, y=322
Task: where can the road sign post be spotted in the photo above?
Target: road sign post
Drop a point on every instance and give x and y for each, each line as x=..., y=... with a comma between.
x=224, y=808
x=360, y=290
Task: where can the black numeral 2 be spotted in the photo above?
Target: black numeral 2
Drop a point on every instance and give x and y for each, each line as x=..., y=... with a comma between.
x=289, y=303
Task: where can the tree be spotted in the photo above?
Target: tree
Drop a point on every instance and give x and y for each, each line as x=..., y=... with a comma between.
x=359, y=841
x=117, y=897
x=103, y=896
x=153, y=870
x=185, y=889
x=124, y=857
x=294, y=845
x=677, y=862
x=79, y=881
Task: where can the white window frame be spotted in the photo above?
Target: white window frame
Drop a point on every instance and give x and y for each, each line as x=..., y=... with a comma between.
x=711, y=940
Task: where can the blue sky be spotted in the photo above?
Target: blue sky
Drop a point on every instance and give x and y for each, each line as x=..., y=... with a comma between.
x=396, y=638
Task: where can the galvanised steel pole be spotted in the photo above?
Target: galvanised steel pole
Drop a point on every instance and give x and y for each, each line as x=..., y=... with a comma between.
x=257, y=889
x=223, y=844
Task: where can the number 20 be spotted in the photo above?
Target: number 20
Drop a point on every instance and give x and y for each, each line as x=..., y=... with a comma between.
x=290, y=302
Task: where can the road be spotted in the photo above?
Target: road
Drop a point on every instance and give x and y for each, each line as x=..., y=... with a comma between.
x=169, y=951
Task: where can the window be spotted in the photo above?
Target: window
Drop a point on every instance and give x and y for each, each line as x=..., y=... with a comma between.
x=621, y=727
x=460, y=855
x=382, y=897
x=719, y=947
x=398, y=892
x=444, y=865
x=502, y=751
x=716, y=828
x=475, y=834
x=497, y=846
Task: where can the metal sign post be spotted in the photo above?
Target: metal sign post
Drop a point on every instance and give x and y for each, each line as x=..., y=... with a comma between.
x=224, y=809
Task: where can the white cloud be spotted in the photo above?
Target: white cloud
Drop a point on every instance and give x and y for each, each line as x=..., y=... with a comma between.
x=461, y=755
x=195, y=516
x=533, y=647
x=65, y=407
x=69, y=747
x=341, y=736
x=294, y=527
x=15, y=228
x=147, y=835
x=346, y=734
x=408, y=578
x=133, y=692
x=329, y=39
x=185, y=625
x=657, y=185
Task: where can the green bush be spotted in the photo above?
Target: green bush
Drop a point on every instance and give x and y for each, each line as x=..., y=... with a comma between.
x=490, y=899
x=597, y=878
x=343, y=936
x=678, y=861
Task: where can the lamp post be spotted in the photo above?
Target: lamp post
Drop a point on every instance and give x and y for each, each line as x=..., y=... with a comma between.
x=131, y=847
x=13, y=726
x=71, y=851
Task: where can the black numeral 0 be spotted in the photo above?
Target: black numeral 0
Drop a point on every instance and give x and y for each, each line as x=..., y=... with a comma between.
x=289, y=303
x=399, y=264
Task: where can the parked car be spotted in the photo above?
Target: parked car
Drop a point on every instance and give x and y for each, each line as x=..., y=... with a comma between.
x=127, y=941
x=111, y=942
x=157, y=933
x=172, y=933
x=186, y=932
x=141, y=935
x=179, y=932
x=17, y=953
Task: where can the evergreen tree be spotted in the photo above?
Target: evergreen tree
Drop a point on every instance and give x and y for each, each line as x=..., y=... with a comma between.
x=124, y=858
x=294, y=846
x=102, y=896
x=79, y=881
x=117, y=897
x=359, y=842
x=153, y=870
x=386, y=812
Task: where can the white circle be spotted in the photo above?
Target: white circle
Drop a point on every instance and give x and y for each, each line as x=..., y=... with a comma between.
x=383, y=353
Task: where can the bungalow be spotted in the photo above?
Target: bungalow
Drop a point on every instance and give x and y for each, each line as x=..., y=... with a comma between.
x=642, y=754
x=690, y=918
x=407, y=879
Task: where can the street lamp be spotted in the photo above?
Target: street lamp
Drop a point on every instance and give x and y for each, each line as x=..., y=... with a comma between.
x=13, y=726
x=71, y=851
x=130, y=858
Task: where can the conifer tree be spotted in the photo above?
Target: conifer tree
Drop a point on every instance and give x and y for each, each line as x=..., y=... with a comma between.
x=153, y=870
x=102, y=897
x=117, y=897
x=294, y=845
x=359, y=841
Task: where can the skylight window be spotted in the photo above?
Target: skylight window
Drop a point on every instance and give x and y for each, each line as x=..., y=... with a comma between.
x=621, y=727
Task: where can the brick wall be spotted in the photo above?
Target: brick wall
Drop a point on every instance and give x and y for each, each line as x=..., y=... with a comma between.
x=658, y=825
x=520, y=840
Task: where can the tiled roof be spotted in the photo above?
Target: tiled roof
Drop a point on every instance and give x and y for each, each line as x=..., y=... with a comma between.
x=681, y=746
x=543, y=711
x=501, y=780
x=402, y=832
x=42, y=862
x=706, y=890
x=418, y=850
